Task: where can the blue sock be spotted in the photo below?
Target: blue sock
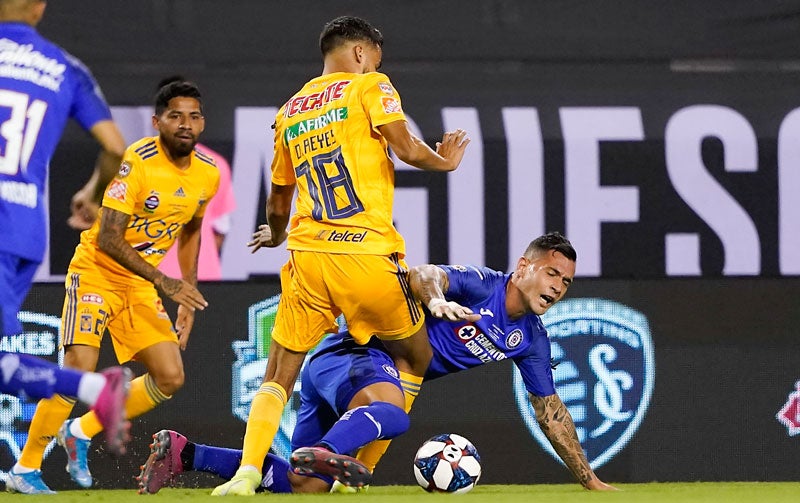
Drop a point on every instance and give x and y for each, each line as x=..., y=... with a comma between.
x=276, y=474
x=47, y=377
x=217, y=460
x=360, y=426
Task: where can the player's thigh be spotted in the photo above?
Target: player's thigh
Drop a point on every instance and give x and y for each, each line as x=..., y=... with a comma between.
x=314, y=418
x=89, y=305
x=16, y=277
x=142, y=323
x=373, y=293
x=305, y=311
x=366, y=373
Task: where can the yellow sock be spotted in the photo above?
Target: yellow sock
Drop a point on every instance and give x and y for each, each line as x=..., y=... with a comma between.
x=411, y=385
x=371, y=453
x=49, y=416
x=143, y=396
x=262, y=423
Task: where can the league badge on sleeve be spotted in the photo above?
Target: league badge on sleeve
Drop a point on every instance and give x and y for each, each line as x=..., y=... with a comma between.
x=125, y=169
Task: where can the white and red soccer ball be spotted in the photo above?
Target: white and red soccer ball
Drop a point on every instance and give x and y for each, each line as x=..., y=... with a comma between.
x=447, y=463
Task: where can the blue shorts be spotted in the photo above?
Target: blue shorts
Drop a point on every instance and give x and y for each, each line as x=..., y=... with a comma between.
x=16, y=277
x=329, y=383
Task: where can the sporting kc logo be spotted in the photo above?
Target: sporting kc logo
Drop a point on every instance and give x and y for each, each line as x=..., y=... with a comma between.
x=605, y=374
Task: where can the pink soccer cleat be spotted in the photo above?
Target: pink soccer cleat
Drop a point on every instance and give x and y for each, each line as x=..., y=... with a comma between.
x=110, y=408
x=347, y=470
x=163, y=463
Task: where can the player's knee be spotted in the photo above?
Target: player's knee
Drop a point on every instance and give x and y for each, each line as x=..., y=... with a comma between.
x=169, y=381
x=393, y=419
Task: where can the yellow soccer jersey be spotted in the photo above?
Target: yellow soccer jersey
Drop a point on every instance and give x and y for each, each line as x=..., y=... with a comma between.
x=159, y=197
x=327, y=141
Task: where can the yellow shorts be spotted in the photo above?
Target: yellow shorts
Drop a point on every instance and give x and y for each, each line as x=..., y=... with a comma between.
x=134, y=315
x=372, y=292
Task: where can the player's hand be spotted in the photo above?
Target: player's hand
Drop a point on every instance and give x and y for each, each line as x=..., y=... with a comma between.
x=84, y=210
x=453, y=311
x=183, y=325
x=452, y=146
x=263, y=238
x=181, y=292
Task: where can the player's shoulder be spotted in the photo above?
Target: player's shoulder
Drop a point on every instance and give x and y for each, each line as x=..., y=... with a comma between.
x=206, y=157
x=144, y=149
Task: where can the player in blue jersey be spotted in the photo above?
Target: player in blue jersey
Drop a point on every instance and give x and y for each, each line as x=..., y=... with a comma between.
x=351, y=395
x=41, y=86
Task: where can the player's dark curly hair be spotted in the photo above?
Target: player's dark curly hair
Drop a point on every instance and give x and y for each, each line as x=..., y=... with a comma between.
x=552, y=241
x=347, y=28
x=177, y=89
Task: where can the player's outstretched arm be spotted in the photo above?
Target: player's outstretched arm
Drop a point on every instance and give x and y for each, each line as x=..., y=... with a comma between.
x=279, y=209
x=428, y=284
x=417, y=153
x=557, y=425
x=86, y=201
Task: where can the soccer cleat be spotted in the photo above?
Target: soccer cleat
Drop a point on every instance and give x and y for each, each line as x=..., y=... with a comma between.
x=338, y=487
x=27, y=483
x=349, y=471
x=77, y=450
x=110, y=408
x=244, y=483
x=163, y=463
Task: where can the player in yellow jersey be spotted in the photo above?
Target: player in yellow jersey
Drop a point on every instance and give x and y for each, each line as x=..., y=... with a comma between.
x=331, y=142
x=159, y=196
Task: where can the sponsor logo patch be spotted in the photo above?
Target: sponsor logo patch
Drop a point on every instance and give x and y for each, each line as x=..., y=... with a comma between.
x=117, y=190
x=391, y=105
x=92, y=298
x=152, y=202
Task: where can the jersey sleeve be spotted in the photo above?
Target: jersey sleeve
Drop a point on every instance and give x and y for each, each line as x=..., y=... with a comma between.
x=282, y=169
x=88, y=105
x=381, y=101
x=468, y=285
x=124, y=191
x=537, y=374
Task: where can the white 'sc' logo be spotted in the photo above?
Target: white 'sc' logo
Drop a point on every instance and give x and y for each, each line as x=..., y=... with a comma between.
x=605, y=375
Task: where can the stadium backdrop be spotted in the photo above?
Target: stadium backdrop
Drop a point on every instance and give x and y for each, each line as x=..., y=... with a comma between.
x=662, y=142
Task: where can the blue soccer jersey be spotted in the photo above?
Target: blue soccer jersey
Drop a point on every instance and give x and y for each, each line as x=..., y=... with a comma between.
x=460, y=345
x=41, y=86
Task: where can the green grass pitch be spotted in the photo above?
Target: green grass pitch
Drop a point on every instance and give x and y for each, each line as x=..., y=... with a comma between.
x=718, y=492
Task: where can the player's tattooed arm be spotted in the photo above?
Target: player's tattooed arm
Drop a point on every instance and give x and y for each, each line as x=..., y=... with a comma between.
x=428, y=282
x=556, y=423
x=111, y=240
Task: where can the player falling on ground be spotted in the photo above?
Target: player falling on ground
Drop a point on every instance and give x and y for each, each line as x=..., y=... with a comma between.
x=158, y=196
x=41, y=87
x=346, y=257
x=351, y=394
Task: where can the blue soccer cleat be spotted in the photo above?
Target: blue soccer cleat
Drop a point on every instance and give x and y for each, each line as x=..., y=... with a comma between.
x=27, y=483
x=77, y=449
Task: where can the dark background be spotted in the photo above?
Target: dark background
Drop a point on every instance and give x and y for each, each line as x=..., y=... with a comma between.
x=658, y=57
x=726, y=348
x=720, y=380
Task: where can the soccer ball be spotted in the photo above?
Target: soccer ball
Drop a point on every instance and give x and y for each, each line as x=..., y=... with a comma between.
x=447, y=463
